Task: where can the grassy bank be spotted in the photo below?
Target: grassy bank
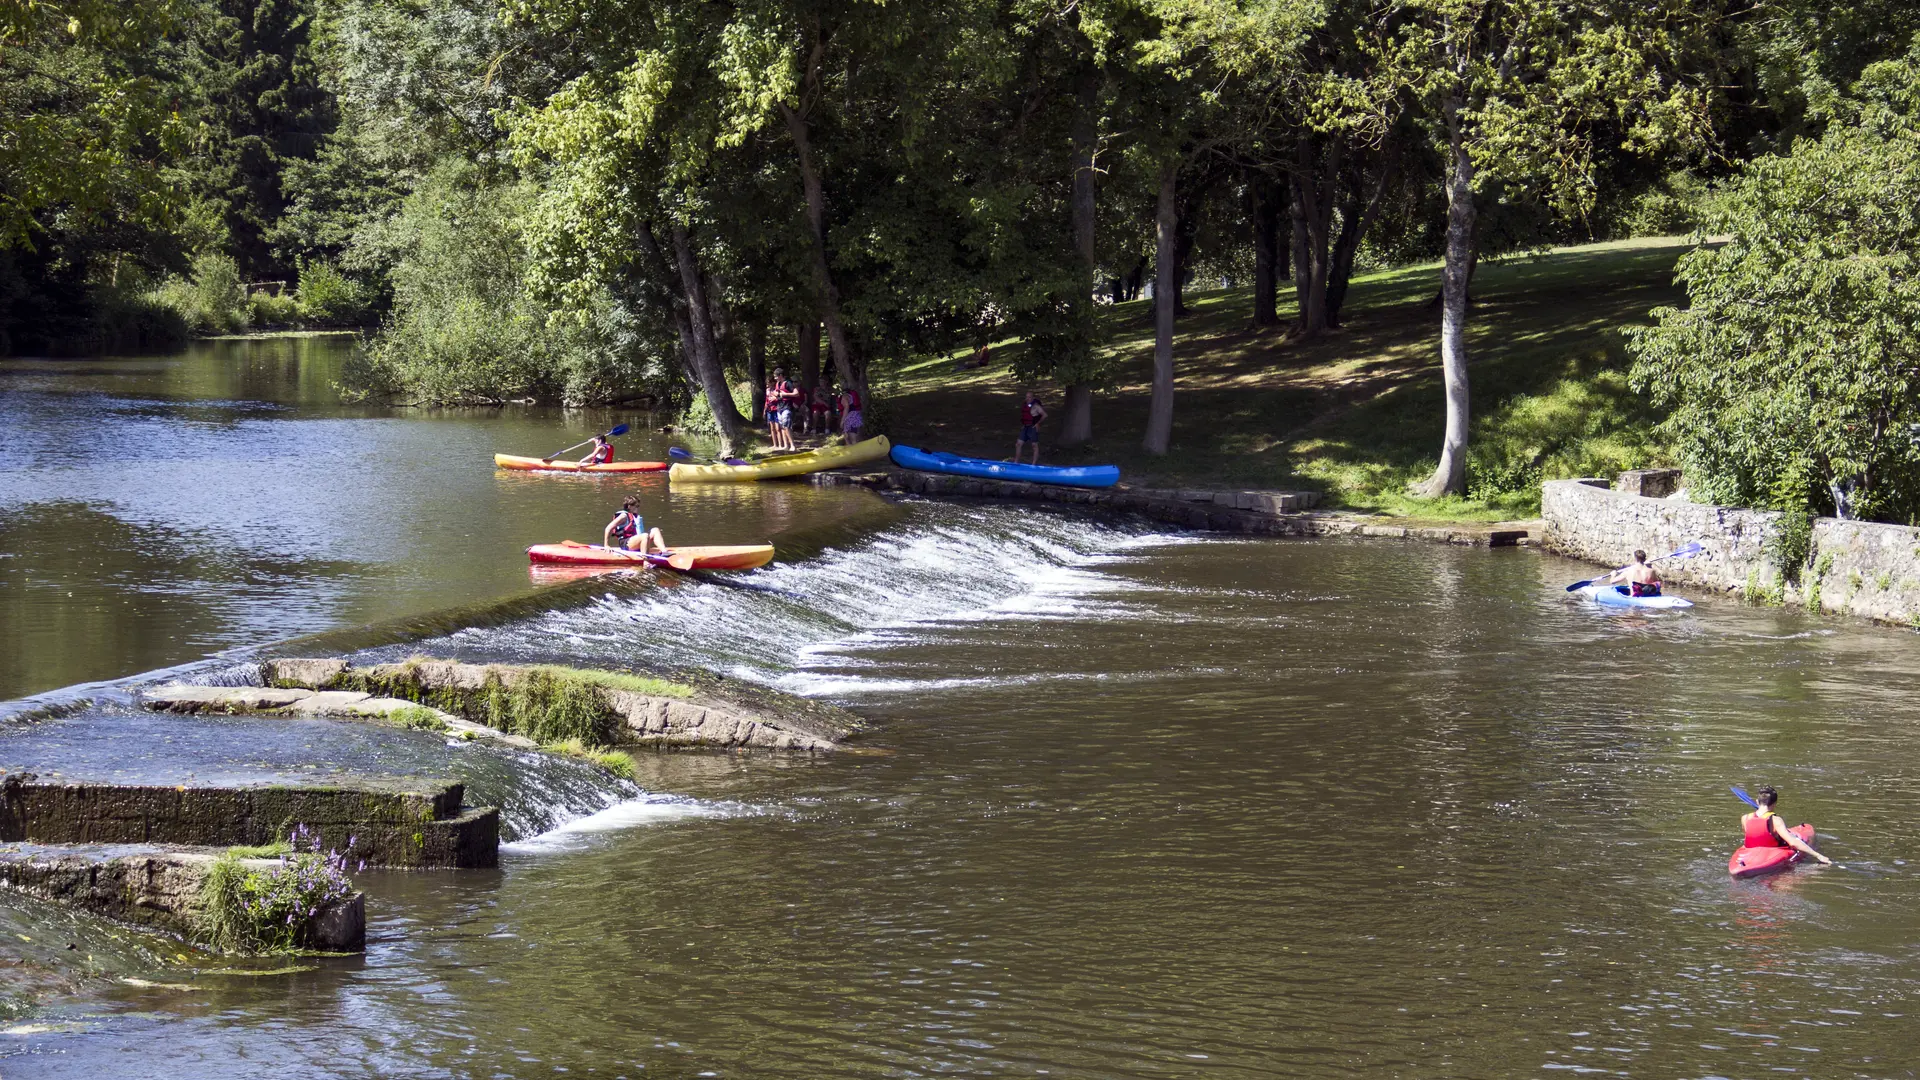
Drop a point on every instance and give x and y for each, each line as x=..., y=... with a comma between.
x=1357, y=414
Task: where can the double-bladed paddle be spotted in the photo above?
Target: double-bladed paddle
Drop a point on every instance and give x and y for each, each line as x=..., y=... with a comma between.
x=618, y=429
x=1685, y=552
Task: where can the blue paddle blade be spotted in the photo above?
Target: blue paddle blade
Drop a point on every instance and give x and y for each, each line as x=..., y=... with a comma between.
x=619, y=430
x=678, y=454
x=1744, y=797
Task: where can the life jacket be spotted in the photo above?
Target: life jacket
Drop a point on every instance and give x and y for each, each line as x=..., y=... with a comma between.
x=850, y=401
x=603, y=455
x=626, y=526
x=1027, y=414
x=1757, y=832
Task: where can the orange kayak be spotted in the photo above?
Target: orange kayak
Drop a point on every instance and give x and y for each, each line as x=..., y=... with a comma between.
x=574, y=553
x=534, y=464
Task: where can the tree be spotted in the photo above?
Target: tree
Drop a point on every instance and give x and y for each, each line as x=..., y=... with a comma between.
x=1518, y=91
x=1794, y=372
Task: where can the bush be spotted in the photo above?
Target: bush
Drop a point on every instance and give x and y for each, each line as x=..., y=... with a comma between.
x=212, y=300
x=265, y=309
x=329, y=298
x=264, y=911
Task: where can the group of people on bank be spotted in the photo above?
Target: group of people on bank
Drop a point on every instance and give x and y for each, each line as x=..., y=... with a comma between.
x=826, y=409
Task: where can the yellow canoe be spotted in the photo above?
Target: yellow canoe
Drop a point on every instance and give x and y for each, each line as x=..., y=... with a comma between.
x=827, y=457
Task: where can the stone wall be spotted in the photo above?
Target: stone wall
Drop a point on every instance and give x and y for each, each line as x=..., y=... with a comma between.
x=159, y=890
x=413, y=824
x=1855, y=568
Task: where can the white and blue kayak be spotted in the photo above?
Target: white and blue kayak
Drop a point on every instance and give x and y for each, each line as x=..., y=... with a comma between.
x=1621, y=596
x=1090, y=476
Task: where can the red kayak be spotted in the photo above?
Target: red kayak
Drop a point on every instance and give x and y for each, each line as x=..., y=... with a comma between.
x=572, y=553
x=1757, y=861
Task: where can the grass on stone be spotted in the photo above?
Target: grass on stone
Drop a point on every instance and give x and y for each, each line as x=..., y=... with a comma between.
x=1358, y=413
x=617, y=762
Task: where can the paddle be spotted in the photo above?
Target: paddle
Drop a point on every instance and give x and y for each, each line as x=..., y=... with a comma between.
x=1685, y=552
x=619, y=429
x=1755, y=803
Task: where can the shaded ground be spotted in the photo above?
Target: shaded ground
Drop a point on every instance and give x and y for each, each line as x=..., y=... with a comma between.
x=1358, y=413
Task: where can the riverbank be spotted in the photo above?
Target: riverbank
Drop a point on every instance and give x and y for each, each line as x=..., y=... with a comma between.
x=1357, y=414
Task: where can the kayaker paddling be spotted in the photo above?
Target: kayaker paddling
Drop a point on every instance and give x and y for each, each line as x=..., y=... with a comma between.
x=1763, y=828
x=602, y=452
x=1640, y=578
x=629, y=531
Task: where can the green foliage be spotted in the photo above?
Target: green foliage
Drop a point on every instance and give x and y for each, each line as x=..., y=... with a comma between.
x=329, y=298
x=550, y=705
x=418, y=718
x=248, y=910
x=617, y=762
x=212, y=301
x=1796, y=365
x=266, y=309
x=1589, y=423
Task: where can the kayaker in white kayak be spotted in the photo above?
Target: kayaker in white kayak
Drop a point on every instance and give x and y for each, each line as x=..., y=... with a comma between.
x=1763, y=827
x=1639, y=577
x=628, y=530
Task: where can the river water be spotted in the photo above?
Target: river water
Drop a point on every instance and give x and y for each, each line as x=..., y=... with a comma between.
x=1141, y=805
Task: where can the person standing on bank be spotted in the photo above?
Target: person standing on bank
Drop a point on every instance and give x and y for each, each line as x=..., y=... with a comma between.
x=1031, y=413
x=850, y=417
x=781, y=398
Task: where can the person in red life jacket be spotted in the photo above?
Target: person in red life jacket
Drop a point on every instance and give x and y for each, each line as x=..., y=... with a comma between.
x=601, y=454
x=1763, y=828
x=782, y=396
x=629, y=531
x=1640, y=578
x=820, y=407
x=1031, y=413
x=850, y=416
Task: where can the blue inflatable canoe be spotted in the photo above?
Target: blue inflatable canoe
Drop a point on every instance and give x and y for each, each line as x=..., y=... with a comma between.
x=1092, y=476
x=1617, y=596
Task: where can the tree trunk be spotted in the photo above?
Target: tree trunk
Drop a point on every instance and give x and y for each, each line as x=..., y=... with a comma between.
x=1137, y=279
x=1165, y=272
x=808, y=349
x=827, y=296
x=1312, y=195
x=1077, y=412
x=757, y=371
x=695, y=324
x=1267, y=256
x=1450, y=476
x=1354, y=219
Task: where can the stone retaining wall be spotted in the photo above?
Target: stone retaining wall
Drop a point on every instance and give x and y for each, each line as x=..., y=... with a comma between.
x=1854, y=567
x=1259, y=513
x=411, y=824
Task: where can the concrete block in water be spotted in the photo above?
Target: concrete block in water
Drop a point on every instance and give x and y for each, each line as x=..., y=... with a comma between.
x=158, y=890
x=395, y=823
x=223, y=699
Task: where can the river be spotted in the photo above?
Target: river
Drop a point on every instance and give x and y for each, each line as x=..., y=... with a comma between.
x=1141, y=805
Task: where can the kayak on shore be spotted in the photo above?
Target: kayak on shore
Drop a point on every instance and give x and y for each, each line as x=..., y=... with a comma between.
x=1621, y=596
x=791, y=464
x=534, y=464
x=574, y=553
x=933, y=461
x=1750, y=862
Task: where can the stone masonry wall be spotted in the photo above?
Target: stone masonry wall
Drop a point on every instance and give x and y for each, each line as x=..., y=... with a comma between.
x=1855, y=568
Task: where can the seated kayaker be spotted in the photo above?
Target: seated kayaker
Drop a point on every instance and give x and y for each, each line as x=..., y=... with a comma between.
x=627, y=530
x=601, y=454
x=1640, y=578
x=1763, y=828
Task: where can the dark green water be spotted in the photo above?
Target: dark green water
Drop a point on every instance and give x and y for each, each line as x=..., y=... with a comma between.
x=1143, y=805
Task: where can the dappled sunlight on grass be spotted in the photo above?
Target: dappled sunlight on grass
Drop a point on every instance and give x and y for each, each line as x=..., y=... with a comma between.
x=1358, y=413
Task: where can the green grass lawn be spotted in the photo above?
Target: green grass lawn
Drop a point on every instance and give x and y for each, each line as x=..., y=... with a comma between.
x=1357, y=414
